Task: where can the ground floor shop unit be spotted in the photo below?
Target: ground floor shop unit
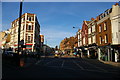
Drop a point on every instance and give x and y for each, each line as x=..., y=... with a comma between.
x=109, y=53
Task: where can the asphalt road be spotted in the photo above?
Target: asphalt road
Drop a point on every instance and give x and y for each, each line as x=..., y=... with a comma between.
x=63, y=68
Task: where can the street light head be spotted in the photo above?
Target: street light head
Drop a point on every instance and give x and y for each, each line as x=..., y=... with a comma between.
x=73, y=27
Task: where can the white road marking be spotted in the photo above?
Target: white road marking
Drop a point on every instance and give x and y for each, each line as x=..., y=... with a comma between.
x=38, y=62
x=50, y=62
x=94, y=66
x=62, y=68
x=62, y=64
x=78, y=65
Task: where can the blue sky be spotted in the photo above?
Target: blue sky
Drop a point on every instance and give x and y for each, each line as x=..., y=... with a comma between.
x=56, y=18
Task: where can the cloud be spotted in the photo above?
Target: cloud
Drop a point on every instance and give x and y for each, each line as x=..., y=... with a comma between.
x=56, y=33
x=54, y=36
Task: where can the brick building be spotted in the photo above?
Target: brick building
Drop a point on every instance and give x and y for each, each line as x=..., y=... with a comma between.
x=108, y=34
x=84, y=32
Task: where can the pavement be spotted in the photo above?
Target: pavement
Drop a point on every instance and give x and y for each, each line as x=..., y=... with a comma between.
x=117, y=64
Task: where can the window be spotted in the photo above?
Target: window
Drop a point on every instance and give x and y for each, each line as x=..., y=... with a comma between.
x=23, y=19
x=94, y=40
x=83, y=40
x=89, y=40
x=23, y=27
x=29, y=27
x=100, y=28
x=13, y=25
x=29, y=18
x=29, y=39
x=32, y=19
x=93, y=28
x=17, y=22
x=105, y=26
x=89, y=31
x=80, y=43
x=100, y=40
x=106, y=38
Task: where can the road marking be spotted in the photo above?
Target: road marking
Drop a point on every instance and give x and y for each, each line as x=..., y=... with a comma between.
x=78, y=65
x=62, y=64
x=38, y=62
x=50, y=62
x=63, y=67
x=94, y=66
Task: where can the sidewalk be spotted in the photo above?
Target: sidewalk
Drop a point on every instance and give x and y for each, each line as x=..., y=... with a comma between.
x=117, y=64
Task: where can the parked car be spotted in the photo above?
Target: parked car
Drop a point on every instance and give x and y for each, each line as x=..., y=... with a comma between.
x=9, y=53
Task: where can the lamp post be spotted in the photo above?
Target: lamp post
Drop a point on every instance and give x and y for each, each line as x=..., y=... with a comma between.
x=78, y=37
x=20, y=13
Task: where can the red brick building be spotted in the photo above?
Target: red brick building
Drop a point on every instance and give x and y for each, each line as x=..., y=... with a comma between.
x=84, y=32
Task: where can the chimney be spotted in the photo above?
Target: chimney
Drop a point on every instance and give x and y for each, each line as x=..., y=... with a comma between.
x=97, y=18
x=116, y=4
x=92, y=18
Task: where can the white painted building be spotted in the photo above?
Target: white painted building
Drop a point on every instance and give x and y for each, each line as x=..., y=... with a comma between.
x=79, y=38
x=30, y=30
x=115, y=29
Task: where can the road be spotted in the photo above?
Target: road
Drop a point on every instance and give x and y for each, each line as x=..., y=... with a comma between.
x=63, y=68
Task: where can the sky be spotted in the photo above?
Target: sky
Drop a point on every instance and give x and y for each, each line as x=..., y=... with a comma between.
x=55, y=18
x=60, y=0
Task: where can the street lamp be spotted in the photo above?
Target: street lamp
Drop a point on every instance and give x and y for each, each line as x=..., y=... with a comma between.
x=75, y=27
x=20, y=13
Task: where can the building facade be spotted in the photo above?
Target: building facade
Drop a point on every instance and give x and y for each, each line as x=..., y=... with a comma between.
x=84, y=32
x=115, y=27
x=68, y=44
x=42, y=43
x=29, y=32
x=108, y=37
x=79, y=34
x=104, y=38
x=92, y=45
x=5, y=39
